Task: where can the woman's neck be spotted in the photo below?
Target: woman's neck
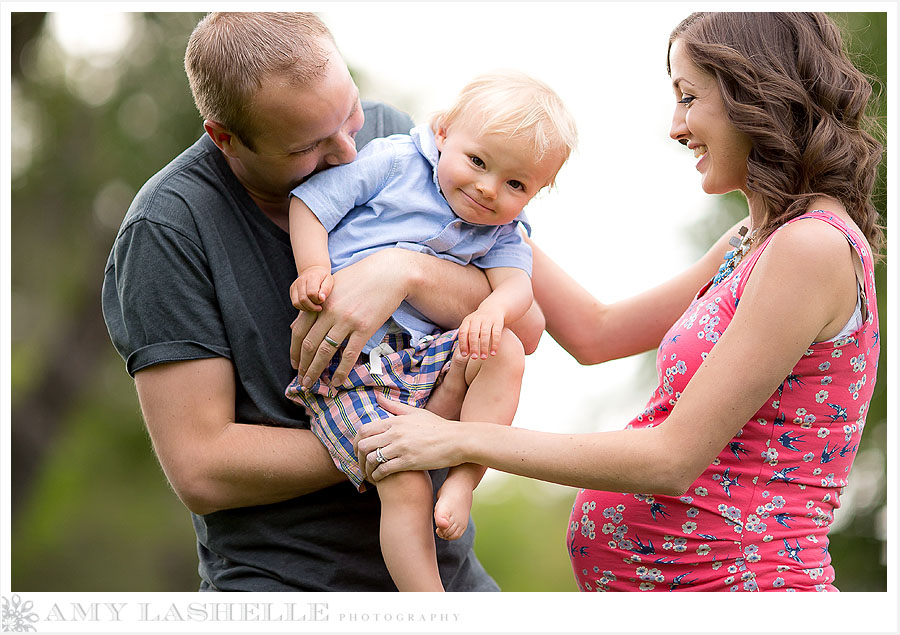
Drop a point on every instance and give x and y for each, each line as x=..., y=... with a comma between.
x=757, y=211
x=827, y=203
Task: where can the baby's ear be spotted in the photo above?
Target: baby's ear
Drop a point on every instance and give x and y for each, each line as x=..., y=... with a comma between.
x=440, y=136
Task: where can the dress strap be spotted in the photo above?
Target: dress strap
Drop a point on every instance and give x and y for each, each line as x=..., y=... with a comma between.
x=867, y=284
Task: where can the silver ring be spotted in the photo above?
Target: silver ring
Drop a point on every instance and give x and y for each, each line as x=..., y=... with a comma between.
x=379, y=456
x=331, y=341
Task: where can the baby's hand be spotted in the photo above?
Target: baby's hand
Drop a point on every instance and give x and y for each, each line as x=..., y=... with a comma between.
x=311, y=288
x=479, y=333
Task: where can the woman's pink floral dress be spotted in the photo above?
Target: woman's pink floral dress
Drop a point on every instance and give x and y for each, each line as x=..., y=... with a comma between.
x=757, y=519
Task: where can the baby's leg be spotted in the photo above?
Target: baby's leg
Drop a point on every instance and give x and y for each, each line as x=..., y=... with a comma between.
x=407, y=543
x=447, y=397
x=493, y=395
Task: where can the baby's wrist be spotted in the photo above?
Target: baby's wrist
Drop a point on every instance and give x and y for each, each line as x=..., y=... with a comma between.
x=310, y=268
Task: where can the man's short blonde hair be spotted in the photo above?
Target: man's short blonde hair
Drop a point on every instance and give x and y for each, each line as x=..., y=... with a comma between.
x=513, y=104
x=229, y=55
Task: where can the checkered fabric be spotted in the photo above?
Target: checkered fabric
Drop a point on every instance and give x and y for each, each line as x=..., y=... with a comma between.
x=408, y=375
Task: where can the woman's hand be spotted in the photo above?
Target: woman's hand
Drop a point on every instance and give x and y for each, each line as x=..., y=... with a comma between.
x=413, y=439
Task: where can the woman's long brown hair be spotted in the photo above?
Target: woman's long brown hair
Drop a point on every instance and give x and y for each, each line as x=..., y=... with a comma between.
x=787, y=83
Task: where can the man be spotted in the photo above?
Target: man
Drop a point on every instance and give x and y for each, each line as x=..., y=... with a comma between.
x=196, y=300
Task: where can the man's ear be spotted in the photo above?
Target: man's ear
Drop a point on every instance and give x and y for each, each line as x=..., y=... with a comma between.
x=220, y=135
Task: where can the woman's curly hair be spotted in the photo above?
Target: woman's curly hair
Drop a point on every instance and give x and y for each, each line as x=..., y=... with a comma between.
x=787, y=83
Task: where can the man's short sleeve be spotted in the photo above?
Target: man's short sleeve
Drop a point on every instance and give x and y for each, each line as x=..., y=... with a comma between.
x=158, y=298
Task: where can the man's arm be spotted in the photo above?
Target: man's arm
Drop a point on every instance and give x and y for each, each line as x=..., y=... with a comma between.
x=214, y=462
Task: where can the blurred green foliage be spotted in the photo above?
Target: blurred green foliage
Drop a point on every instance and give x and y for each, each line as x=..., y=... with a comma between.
x=91, y=507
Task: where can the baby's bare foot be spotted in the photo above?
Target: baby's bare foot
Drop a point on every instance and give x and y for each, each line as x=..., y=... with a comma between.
x=452, y=509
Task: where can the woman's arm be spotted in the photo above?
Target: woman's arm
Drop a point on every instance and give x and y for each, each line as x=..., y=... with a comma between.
x=593, y=332
x=801, y=285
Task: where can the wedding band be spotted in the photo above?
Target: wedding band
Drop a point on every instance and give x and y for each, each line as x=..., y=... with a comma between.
x=331, y=341
x=379, y=456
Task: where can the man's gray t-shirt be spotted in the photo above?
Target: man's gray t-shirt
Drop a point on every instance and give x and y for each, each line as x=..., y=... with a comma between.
x=198, y=271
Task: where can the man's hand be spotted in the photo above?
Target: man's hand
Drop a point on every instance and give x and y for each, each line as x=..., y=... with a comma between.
x=311, y=288
x=363, y=297
x=367, y=293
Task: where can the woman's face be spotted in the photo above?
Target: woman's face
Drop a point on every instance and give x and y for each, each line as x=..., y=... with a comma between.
x=701, y=124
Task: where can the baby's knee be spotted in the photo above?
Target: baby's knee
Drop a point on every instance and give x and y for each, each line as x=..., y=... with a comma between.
x=511, y=353
x=509, y=362
x=406, y=488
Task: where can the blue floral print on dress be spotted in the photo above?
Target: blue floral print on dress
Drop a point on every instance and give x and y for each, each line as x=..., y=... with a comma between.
x=758, y=517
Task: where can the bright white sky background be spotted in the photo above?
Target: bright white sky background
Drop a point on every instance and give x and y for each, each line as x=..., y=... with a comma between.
x=619, y=218
x=622, y=203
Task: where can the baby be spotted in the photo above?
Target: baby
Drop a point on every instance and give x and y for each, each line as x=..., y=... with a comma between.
x=454, y=189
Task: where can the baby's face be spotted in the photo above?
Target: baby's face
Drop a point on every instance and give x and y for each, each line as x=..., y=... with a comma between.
x=488, y=178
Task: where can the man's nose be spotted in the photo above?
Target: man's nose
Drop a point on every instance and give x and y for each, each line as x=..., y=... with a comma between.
x=342, y=150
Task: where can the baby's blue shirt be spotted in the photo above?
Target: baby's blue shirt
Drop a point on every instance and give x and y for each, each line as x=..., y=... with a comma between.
x=389, y=197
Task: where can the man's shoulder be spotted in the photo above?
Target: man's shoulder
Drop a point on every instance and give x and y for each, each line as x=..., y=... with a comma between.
x=173, y=194
x=382, y=120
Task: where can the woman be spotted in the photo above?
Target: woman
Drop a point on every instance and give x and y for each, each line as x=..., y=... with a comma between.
x=729, y=479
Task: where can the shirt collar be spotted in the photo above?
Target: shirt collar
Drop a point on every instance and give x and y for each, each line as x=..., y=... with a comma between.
x=423, y=137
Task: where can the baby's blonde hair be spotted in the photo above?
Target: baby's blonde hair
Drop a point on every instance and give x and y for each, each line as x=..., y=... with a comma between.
x=513, y=104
